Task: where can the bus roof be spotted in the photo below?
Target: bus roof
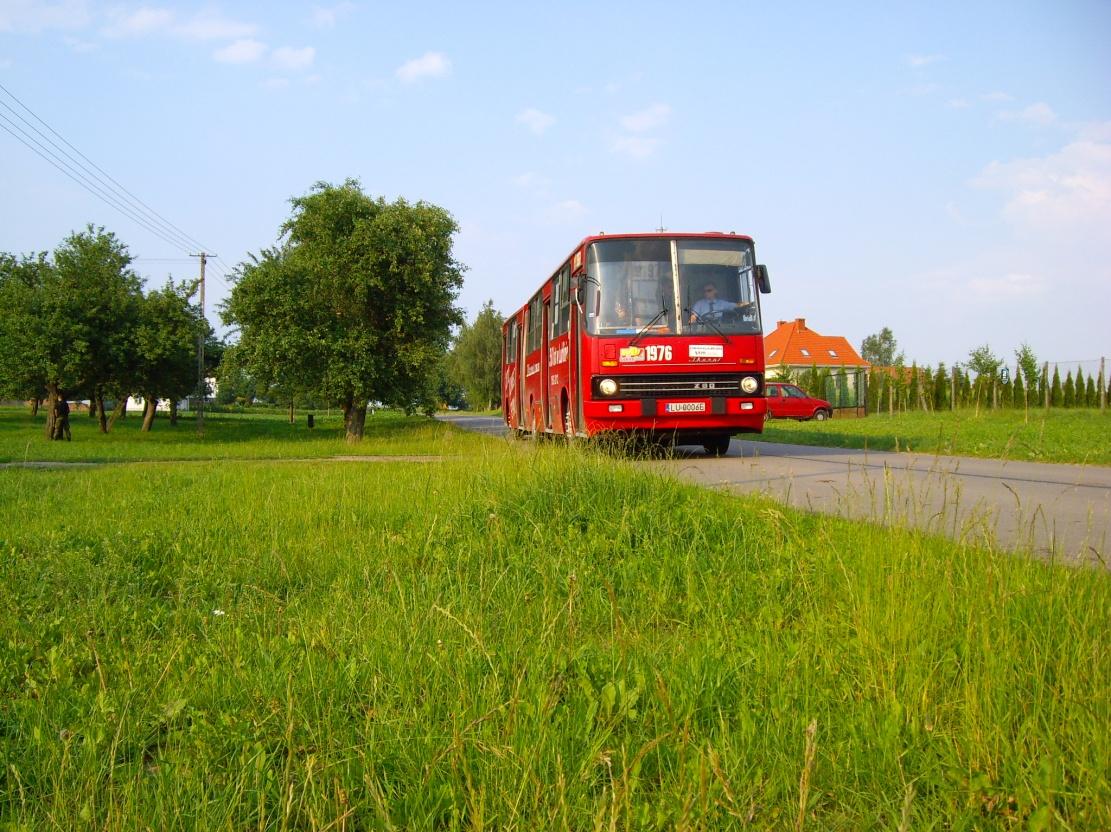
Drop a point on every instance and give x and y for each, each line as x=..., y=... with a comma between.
x=688, y=235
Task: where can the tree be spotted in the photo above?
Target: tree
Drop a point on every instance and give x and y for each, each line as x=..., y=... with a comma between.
x=356, y=305
x=476, y=357
x=1028, y=366
x=941, y=388
x=1056, y=396
x=97, y=294
x=880, y=349
x=165, y=343
x=1018, y=390
x=1068, y=391
x=985, y=364
x=1091, y=397
x=22, y=375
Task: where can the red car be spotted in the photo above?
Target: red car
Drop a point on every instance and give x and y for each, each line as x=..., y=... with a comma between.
x=789, y=401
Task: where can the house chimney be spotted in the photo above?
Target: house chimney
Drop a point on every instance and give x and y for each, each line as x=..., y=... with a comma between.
x=778, y=324
x=801, y=322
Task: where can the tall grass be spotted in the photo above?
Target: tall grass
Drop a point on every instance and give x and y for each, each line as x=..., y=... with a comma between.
x=526, y=640
x=1078, y=436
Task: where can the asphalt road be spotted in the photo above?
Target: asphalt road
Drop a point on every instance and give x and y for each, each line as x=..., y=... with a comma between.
x=1061, y=511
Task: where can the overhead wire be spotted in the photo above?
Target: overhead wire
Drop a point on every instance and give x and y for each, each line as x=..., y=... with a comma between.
x=109, y=183
x=37, y=147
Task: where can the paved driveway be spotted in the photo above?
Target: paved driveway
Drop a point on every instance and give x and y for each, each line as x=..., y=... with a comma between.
x=1055, y=510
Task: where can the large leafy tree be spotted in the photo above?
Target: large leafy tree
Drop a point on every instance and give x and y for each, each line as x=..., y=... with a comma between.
x=94, y=298
x=22, y=373
x=881, y=350
x=164, y=347
x=68, y=320
x=476, y=357
x=357, y=304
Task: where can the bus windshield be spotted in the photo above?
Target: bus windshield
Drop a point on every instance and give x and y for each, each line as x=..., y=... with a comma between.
x=717, y=286
x=630, y=285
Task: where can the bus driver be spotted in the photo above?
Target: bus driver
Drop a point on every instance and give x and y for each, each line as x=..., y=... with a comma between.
x=710, y=307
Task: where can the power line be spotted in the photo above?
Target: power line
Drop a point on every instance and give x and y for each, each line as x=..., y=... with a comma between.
x=119, y=190
x=35, y=146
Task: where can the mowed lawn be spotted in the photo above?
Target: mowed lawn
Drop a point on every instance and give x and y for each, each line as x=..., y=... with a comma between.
x=253, y=435
x=1078, y=436
x=525, y=638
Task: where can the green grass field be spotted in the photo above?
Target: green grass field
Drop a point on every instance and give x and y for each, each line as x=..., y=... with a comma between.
x=524, y=638
x=1079, y=436
x=266, y=435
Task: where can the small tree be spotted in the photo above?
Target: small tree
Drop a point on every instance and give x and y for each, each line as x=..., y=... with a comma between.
x=1018, y=391
x=1091, y=396
x=881, y=349
x=476, y=358
x=1056, y=395
x=1080, y=396
x=1068, y=391
x=941, y=388
x=165, y=336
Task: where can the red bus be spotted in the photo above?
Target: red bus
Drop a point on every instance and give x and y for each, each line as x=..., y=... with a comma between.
x=653, y=334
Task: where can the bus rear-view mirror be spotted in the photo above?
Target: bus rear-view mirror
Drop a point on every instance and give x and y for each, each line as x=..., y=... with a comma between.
x=762, y=280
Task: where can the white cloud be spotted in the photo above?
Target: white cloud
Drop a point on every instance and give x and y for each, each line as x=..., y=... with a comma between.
x=1011, y=285
x=155, y=20
x=535, y=120
x=213, y=26
x=325, y=17
x=287, y=57
x=243, y=51
x=142, y=21
x=31, y=16
x=1068, y=192
x=647, y=119
x=959, y=103
x=428, y=65
x=997, y=97
x=919, y=61
x=635, y=147
x=1040, y=114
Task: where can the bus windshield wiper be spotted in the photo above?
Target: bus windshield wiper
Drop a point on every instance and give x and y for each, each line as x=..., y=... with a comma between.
x=710, y=324
x=644, y=330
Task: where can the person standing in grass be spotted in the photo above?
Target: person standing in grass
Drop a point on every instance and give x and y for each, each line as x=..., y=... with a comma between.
x=61, y=419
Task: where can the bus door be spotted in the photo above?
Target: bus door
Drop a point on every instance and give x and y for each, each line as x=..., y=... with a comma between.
x=546, y=416
x=522, y=351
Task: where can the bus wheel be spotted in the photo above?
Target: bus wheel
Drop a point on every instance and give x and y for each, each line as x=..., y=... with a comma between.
x=716, y=445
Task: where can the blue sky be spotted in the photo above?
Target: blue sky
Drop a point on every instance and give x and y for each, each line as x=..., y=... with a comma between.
x=942, y=169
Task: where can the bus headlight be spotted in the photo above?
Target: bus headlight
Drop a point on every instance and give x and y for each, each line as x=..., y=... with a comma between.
x=607, y=387
x=749, y=384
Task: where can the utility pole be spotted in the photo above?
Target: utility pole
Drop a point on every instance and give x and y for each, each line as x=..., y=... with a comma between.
x=204, y=255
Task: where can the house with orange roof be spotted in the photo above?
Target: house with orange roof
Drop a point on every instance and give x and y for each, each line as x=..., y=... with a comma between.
x=798, y=348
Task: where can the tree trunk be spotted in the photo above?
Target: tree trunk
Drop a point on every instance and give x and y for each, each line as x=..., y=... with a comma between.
x=117, y=412
x=34, y=407
x=150, y=408
x=101, y=416
x=291, y=411
x=173, y=412
x=354, y=419
x=51, y=408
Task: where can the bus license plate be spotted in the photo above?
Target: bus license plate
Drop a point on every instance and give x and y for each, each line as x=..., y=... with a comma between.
x=686, y=407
